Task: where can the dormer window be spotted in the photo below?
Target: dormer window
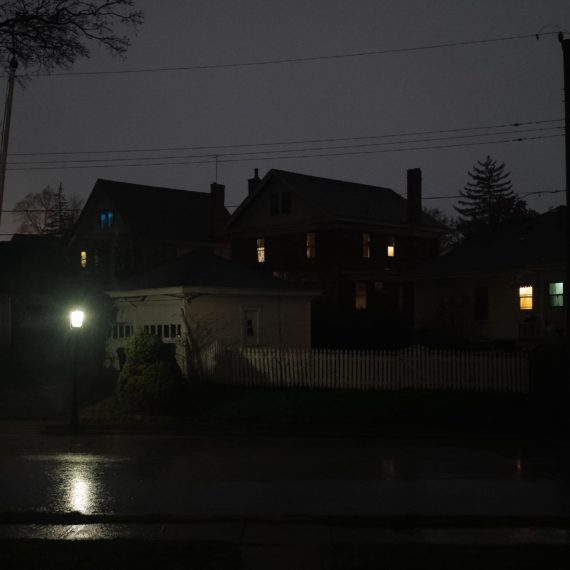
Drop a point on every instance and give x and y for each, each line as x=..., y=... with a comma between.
x=106, y=219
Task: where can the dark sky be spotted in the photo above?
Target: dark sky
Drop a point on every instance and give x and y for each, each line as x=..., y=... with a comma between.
x=481, y=85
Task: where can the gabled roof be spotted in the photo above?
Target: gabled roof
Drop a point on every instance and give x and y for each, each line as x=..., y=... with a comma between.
x=201, y=269
x=337, y=200
x=157, y=212
x=536, y=242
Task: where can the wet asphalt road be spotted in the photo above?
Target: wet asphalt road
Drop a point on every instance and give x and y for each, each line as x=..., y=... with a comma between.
x=191, y=476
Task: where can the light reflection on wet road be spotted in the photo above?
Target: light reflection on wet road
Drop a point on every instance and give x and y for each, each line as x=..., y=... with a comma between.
x=138, y=475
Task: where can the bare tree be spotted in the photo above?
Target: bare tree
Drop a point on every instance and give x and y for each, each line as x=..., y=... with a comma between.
x=45, y=34
x=48, y=212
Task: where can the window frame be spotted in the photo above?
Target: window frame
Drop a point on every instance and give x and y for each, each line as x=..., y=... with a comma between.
x=260, y=250
x=556, y=295
x=311, y=245
x=526, y=292
x=360, y=296
x=366, y=245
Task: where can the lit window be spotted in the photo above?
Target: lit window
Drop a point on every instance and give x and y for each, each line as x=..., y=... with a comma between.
x=391, y=247
x=366, y=245
x=525, y=298
x=261, y=250
x=106, y=219
x=360, y=295
x=556, y=294
x=83, y=259
x=311, y=245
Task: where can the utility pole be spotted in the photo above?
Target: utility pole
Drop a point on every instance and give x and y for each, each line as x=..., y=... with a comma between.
x=566, y=59
x=6, y=129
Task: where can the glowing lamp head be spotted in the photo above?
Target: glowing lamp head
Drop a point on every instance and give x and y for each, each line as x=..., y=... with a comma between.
x=76, y=318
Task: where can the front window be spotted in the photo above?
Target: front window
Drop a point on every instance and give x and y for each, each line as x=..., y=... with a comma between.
x=525, y=298
x=366, y=245
x=391, y=247
x=261, y=250
x=360, y=295
x=311, y=245
x=83, y=259
x=556, y=294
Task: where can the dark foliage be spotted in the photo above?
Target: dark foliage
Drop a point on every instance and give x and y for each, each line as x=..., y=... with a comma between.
x=150, y=379
x=45, y=34
x=488, y=200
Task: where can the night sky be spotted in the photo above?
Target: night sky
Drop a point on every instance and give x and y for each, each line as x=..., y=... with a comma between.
x=443, y=89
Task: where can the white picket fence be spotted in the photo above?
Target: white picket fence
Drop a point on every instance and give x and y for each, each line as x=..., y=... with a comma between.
x=416, y=367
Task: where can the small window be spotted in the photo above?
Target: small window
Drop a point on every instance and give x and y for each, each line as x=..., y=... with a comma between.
x=273, y=204
x=556, y=294
x=146, y=329
x=178, y=330
x=311, y=245
x=391, y=247
x=360, y=296
x=159, y=330
x=121, y=331
x=286, y=201
x=366, y=245
x=525, y=298
x=261, y=250
x=173, y=331
x=152, y=329
x=106, y=219
x=166, y=330
x=83, y=258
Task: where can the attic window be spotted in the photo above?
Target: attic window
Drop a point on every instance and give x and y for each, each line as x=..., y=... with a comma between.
x=261, y=250
x=280, y=203
x=556, y=294
x=106, y=219
x=525, y=298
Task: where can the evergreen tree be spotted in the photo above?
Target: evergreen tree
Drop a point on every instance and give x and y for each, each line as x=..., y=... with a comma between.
x=488, y=198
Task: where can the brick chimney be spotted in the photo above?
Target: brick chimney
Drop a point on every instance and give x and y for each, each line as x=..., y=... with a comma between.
x=252, y=183
x=415, y=196
x=217, y=199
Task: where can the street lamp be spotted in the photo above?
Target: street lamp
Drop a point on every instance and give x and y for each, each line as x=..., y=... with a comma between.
x=76, y=319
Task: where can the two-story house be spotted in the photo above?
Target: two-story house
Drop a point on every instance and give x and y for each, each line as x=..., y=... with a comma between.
x=354, y=242
x=502, y=286
x=124, y=228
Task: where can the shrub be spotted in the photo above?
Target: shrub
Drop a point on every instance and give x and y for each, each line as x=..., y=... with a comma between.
x=150, y=379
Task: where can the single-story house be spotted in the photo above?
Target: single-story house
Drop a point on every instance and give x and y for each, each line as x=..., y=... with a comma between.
x=199, y=298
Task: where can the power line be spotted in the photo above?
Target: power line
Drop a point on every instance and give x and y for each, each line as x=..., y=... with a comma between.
x=266, y=62
x=298, y=141
x=277, y=151
x=287, y=157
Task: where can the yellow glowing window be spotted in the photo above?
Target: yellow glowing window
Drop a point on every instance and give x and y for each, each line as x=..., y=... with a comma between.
x=360, y=295
x=83, y=259
x=525, y=298
x=311, y=245
x=261, y=250
x=366, y=245
x=391, y=248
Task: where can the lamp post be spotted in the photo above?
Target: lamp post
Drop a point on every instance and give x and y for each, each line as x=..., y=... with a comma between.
x=76, y=318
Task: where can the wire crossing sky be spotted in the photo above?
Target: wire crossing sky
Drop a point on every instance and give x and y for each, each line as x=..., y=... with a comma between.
x=358, y=90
